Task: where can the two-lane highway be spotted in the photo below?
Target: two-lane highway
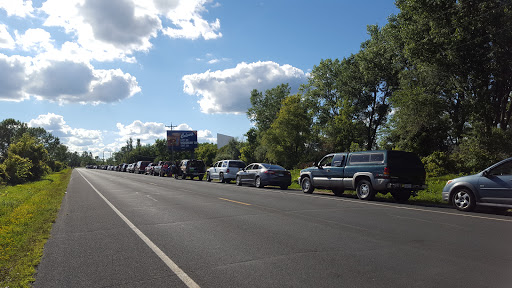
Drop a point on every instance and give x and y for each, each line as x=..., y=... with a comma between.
x=124, y=230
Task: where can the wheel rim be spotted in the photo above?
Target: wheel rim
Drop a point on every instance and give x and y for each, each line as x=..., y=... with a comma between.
x=305, y=184
x=258, y=182
x=238, y=180
x=461, y=199
x=364, y=190
x=221, y=177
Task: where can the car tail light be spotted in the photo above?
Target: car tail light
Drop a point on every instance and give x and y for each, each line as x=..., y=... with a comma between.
x=386, y=172
x=227, y=170
x=269, y=172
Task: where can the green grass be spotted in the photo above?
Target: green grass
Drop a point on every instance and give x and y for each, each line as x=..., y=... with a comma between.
x=27, y=213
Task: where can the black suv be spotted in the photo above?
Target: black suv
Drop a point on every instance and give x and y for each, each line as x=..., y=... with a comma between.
x=397, y=172
x=191, y=168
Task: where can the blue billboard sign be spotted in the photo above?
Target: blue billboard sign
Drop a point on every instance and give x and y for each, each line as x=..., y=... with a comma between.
x=181, y=140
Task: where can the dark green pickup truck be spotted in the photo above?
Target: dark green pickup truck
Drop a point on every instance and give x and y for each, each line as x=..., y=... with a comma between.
x=368, y=172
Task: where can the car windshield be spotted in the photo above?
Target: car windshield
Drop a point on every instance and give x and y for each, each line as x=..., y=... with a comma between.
x=273, y=167
x=237, y=164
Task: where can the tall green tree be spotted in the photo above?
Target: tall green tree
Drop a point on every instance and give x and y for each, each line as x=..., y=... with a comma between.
x=264, y=108
x=287, y=139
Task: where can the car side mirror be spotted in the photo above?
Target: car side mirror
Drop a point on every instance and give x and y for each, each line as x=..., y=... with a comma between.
x=485, y=173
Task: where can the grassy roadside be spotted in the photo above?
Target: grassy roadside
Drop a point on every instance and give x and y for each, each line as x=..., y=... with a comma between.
x=27, y=213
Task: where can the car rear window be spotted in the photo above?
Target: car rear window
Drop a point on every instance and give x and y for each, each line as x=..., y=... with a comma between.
x=273, y=167
x=236, y=164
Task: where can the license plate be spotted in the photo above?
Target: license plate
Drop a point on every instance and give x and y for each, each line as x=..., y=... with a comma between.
x=407, y=185
x=281, y=174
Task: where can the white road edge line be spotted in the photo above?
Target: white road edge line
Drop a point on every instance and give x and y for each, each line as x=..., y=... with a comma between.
x=177, y=270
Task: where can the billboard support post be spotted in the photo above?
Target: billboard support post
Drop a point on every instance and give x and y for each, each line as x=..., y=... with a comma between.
x=172, y=147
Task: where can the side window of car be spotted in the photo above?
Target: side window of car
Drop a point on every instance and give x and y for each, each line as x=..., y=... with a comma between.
x=359, y=158
x=225, y=164
x=256, y=167
x=249, y=167
x=503, y=169
x=337, y=161
x=326, y=161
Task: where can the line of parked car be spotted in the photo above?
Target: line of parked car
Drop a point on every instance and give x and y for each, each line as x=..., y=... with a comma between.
x=367, y=172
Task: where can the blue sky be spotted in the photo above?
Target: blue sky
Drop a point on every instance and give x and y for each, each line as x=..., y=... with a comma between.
x=96, y=72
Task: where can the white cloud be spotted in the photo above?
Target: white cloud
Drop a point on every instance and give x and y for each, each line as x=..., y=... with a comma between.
x=115, y=29
x=77, y=139
x=229, y=91
x=147, y=132
x=35, y=39
x=20, y=8
x=6, y=41
x=13, y=78
x=188, y=22
x=62, y=81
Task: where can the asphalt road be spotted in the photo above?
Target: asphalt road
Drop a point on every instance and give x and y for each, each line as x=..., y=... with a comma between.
x=124, y=230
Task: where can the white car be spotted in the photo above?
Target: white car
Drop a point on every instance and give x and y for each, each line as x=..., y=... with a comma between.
x=224, y=170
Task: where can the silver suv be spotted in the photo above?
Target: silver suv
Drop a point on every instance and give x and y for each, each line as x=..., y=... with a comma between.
x=224, y=170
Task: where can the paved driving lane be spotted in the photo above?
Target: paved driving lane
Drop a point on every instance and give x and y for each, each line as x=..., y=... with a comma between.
x=222, y=235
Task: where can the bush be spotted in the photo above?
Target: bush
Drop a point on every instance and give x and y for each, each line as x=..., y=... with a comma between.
x=27, y=148
x=437, y=164
x=17, y=169
x=3, y=175
x=57, y=166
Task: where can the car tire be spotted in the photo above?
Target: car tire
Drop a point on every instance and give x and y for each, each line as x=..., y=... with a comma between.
x=257, y=182
x=221, y=178
x=338, y=191
x=208, y=179
x=365, y=190
x=306, y=185
x=464, y=200
x=238, y=181
x=200, y=177
x=401, y=196
x=183, y=176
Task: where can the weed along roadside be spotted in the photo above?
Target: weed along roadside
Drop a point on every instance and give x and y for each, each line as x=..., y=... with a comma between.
x=27, y=212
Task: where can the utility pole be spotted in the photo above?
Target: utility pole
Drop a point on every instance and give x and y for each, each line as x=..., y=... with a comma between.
x=172, y=146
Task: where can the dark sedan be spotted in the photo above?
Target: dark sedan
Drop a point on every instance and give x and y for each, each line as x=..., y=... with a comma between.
x=262, y=174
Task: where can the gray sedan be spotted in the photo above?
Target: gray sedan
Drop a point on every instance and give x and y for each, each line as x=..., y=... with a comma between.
x=491, y=187
x=262, y=174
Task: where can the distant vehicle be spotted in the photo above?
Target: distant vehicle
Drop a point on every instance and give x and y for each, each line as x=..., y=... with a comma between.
x=149, y=169
x=191, y=168
x=140, y=167
x=123, y=167
x=491, y=187
x=263, y=174
x=367, y=172
x=224, y=170
x=130, y=168
x=163, y=168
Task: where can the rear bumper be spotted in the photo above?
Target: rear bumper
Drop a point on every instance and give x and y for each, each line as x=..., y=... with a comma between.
x=401, y=186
